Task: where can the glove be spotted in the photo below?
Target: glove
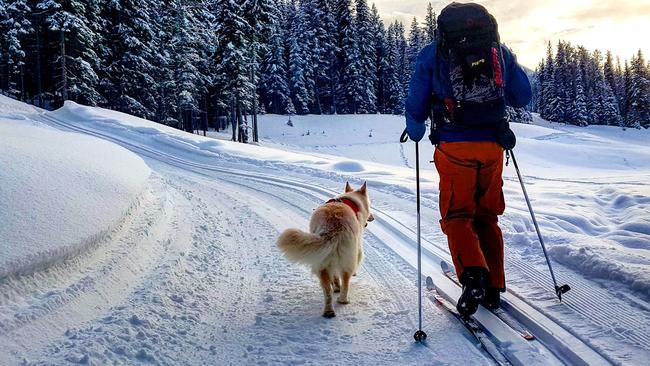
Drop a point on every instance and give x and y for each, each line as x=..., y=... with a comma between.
x=506, y=137
x=416, y=130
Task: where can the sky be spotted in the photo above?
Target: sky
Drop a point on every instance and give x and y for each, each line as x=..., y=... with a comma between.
x=526, y=26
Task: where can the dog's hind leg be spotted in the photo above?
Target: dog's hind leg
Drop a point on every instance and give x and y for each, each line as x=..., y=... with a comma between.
x=337, y=284
x=326, y=284
x=359, y=259
x=345, y=287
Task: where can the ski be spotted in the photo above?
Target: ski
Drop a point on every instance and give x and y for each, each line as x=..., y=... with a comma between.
x=472, y=325
x=500, y=313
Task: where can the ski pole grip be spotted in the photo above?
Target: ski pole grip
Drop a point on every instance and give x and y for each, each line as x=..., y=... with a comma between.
x=404, y=137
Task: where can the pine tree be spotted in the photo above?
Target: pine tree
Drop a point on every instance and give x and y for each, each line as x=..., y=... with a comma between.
x=346, y=59
x=611, y=77
x=77, y=62
x=274, y=76
x=627, y=95
x=233, y=62
x=638, y=114
x=559, y=102
x=548, y=86
x=430, y=24
x=578, y=114
x=415, y=44
x=320, y=21
x=380, y=59
x=589, y=68
x=183, y=66
x=297, y=64
x=128, y=76
x=620, y=87
x=402, y=64
x=365, y=92
x=608, y=112
x=393, y=91
x=15, y=27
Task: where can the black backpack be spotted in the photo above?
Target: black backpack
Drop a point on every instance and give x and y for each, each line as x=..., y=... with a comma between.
x=468, y=37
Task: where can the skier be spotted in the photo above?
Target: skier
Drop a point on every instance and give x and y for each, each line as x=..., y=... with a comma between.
x=465, y=79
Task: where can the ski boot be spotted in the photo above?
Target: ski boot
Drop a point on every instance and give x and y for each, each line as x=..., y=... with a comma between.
x=492, y=299
x=474, y=281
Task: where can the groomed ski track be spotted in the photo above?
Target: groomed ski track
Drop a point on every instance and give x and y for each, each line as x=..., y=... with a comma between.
x=555, y=344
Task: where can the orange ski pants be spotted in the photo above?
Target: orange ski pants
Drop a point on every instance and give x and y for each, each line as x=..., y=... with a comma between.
x=471, y=198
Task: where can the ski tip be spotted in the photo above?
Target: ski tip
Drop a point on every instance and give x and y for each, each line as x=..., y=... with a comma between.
x=528, y=337
x=445, y=266
x=429, y=282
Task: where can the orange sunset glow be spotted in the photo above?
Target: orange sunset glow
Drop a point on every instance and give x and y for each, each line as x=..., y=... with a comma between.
x=526, y=26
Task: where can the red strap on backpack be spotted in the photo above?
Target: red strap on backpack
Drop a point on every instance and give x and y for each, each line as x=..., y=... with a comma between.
x=496, y=64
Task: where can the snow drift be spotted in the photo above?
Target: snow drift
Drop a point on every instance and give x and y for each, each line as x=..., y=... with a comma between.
x=59, y=192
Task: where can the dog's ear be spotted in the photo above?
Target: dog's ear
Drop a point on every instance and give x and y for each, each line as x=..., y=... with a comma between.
x=362, y=190
x=348, y=187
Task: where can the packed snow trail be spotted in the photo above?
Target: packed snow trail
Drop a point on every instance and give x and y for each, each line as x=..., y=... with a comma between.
x=523, y=353
x=220, y=293
x=193, y=277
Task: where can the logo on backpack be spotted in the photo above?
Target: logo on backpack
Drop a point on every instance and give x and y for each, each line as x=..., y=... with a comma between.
x=468, y=38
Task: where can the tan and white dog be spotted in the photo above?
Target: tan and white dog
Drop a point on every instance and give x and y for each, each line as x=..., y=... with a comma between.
x=333, y=246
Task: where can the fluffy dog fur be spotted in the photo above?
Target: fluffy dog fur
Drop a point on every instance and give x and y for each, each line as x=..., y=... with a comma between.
x=333, y=246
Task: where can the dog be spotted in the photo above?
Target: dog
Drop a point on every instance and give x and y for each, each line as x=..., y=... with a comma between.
x=333, y=245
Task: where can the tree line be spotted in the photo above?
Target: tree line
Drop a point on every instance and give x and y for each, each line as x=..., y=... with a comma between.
x=187, y=62
x=579, y=87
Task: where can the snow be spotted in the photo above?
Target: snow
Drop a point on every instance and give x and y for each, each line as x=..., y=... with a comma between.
x=191, y=273
x=60, y=192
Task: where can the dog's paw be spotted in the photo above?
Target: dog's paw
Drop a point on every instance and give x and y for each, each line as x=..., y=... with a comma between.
x=343, y=301
x=329, y=314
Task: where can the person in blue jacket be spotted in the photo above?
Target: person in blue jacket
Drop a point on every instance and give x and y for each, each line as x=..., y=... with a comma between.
x=468, y=155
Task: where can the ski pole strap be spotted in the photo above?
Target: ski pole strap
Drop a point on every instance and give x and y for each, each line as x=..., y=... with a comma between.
x=404, y=137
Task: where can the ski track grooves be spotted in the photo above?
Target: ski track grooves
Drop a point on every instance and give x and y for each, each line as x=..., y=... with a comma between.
x=582, y=305
x=110, y=271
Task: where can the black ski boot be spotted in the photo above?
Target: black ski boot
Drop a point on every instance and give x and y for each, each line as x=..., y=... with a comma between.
x=474, y=281
x=492, y=299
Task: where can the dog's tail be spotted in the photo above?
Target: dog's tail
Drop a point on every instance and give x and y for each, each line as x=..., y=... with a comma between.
x=306, y=248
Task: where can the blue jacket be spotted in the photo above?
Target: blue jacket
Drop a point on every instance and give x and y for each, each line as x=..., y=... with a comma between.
x=431, y=77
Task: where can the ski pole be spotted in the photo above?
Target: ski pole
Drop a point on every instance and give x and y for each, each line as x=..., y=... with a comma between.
x=559, y=290
x=420, y=335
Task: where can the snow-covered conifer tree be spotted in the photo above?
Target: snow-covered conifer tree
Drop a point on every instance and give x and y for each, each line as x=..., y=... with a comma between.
x=128, y=75
x=276, y=92
x=300, y=94
x=393, y=91
x=14, y=26
x=638, y=113
x=365, y=92
x=232, y=58
x=77, y=61
x=430, y=25
x=347, y=65
x=380, y=58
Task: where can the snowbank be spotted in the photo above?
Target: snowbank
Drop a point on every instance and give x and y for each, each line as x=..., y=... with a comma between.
x=59, y=192
x=13, y=109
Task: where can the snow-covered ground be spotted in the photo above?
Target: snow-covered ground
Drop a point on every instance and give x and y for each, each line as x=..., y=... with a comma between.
x=186, y=270
x=61, y=192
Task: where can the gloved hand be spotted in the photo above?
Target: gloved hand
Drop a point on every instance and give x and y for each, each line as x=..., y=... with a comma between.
x=416, y=130
x=506, y=137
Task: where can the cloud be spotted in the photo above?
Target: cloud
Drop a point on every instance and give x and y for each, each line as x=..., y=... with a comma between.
x=612, y=10
x=527, y=26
